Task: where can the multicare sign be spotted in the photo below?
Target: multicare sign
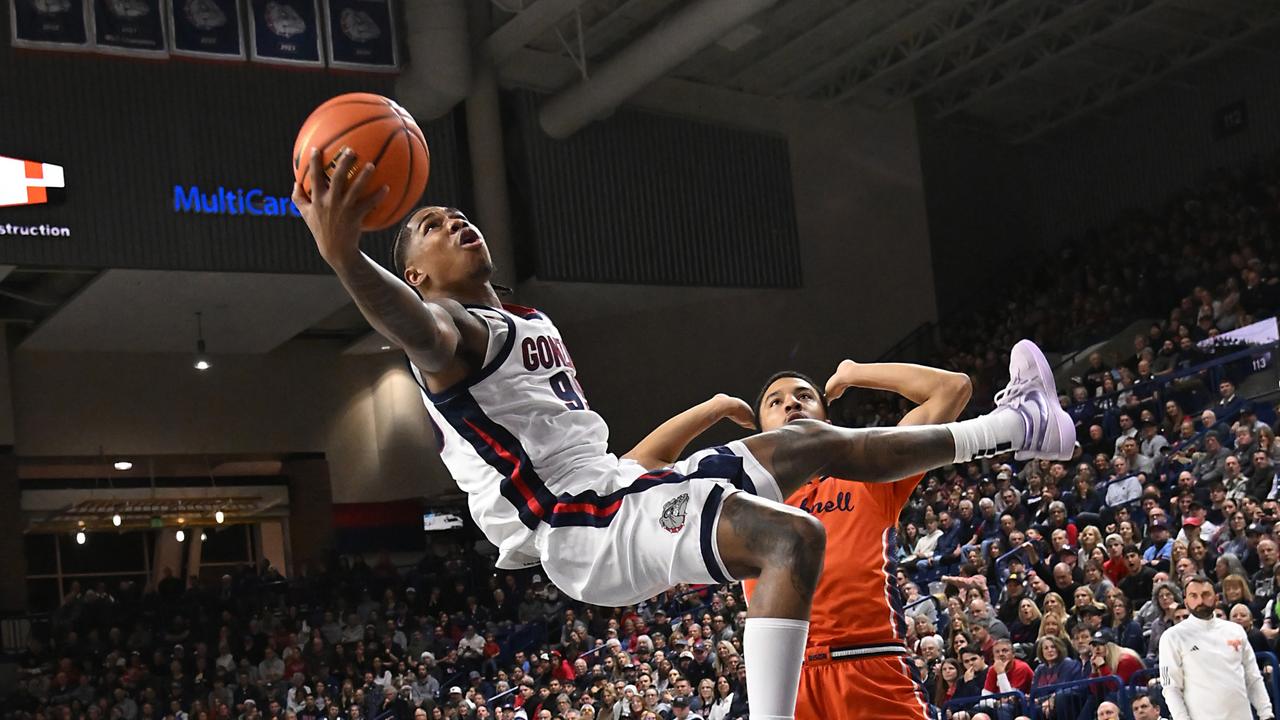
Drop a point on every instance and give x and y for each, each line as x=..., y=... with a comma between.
x=232, y=201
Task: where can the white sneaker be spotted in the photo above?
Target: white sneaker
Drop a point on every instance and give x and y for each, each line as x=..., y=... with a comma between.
x=1032, y=392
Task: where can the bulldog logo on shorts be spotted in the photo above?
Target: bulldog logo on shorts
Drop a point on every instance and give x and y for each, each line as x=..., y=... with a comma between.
x=673, y=513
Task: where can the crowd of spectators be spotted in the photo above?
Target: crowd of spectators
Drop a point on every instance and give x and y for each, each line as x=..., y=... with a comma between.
x=1027, y=575
x=1014, y=575
x=449, y=638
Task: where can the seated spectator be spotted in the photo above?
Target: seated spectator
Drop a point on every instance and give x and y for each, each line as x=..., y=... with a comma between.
x=1229, y=403
x=1025, y=628
x=1007, y=673
x=974, y=677
x=1123, y=486
x=1127, y=631
x=1140, y=578
x=1056, y=666
x=1115, y=567
x=1209, y=464
x=948, y=681
x=1159, y=550
x=1108, y=658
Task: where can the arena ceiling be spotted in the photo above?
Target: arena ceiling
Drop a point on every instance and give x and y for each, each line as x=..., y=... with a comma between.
x=1014, y=68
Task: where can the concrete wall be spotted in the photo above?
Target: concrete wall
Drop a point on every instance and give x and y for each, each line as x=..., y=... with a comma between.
x=644, y=353
x=362, y=412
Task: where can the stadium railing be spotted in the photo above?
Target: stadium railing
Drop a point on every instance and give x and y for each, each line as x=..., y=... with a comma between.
x=1143, y=682
x=1014, y=702
x=1070, y=698
x=1249, y=360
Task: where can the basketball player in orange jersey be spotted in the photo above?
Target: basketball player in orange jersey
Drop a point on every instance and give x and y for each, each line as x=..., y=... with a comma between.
x=856, y=663
x=518, y=436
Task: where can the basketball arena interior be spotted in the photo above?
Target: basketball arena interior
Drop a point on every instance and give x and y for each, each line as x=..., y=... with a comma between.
x=227, y=493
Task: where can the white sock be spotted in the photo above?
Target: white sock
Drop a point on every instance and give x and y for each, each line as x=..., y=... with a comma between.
x=774, y=650
x=988, y=435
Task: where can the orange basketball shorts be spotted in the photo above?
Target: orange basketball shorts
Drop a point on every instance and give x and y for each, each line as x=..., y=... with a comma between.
x=879, y=687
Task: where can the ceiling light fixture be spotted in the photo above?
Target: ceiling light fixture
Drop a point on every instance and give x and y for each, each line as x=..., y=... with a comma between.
x=204, y=537
x=219, y=516
x=180, y=536
x=80, y=537
x=202, y=358
x=116, y=519
x=123, y=465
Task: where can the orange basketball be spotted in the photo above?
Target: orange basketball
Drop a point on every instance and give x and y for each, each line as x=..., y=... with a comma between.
x=378, y=131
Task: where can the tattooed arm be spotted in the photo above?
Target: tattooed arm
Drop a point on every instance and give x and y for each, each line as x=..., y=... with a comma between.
x=427, y=331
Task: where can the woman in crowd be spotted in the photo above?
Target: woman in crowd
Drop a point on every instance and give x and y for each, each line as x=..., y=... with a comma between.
x=1108, y=658
x=908, y=540
x=1025, y=628
x=1096, y=580
x=1166, y=597
x=1127, y=631
x=1228, y=564
x=1083, y=599
x=1090, y=538
x=720, y=707
x=1128, y=532
x=948, y=678
x=1053, y=625
x=1056, y=667
x=1053, y=604
x=1235, y=590
x=1231, y=538
x=704, y=697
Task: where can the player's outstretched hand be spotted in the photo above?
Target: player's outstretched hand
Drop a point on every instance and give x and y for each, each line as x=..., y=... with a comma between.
x=335, y=209
x=737, y=410
x=844, y=378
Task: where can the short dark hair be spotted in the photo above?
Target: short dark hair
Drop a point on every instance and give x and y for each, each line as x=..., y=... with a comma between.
x=1131, y=548
x=400, y=257
x=822, y=393
x=1197, y=578
x=400, y=248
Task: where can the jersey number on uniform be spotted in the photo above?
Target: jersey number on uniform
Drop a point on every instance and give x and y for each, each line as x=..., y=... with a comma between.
x=567, y=390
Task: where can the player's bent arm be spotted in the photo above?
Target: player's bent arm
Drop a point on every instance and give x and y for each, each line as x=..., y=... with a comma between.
x=667, y=442
x=426, y=330
x=940, y=394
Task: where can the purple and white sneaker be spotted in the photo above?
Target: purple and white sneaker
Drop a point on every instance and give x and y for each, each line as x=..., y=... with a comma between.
x=1049, y=432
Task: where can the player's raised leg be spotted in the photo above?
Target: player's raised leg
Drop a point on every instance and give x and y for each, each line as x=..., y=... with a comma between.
x=1028, y=420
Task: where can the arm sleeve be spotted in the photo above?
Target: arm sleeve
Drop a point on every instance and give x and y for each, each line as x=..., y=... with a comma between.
x=1002, y=682
x=1171, y=679
x=1258, y=696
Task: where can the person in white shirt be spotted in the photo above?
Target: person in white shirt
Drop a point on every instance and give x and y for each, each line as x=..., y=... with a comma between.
x=1207, y=666
x=929, y=541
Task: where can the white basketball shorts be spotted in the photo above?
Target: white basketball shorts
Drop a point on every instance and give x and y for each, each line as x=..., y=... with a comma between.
x=653, y=531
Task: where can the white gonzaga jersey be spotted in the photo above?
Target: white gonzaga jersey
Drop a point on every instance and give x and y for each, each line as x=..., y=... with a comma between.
x=518, y=434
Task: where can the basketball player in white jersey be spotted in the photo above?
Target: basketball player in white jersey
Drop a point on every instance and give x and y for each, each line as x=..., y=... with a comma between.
x=519, y=438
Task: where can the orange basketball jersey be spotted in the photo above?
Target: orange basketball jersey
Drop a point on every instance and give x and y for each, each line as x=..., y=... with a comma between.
x=857, y=601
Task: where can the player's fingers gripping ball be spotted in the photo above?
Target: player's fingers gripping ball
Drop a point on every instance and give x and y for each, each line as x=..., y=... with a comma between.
x=376, y=130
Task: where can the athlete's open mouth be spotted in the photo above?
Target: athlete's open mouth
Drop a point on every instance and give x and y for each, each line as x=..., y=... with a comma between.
x=795, y=415
x=468, y=237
